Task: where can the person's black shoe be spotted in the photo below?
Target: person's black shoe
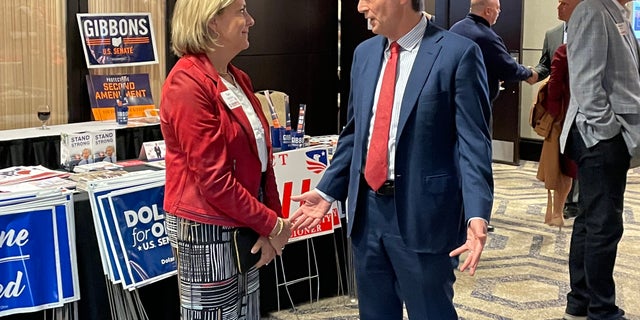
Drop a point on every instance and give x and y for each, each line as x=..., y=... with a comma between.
x=570, y=210
x=490, y=228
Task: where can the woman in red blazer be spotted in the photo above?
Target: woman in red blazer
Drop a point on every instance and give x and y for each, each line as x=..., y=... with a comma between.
x=219, y=162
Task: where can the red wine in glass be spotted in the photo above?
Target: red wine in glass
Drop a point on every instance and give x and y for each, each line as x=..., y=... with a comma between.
x=44, y=113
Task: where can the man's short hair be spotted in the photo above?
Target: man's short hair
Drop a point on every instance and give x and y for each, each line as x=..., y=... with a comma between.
x=418, y=5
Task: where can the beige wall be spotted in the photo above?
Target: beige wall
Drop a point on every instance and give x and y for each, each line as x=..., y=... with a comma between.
x=430, y=6
x=539, y=16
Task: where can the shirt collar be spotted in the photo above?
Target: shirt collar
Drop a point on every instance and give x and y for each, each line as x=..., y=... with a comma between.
x=411, y=40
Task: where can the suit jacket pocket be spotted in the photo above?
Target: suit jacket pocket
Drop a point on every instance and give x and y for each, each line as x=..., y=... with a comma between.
x=430, y=98
x=442, y=183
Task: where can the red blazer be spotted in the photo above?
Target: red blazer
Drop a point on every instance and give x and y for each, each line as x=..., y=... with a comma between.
x=558, y=96
x=213, y=169
x=558, y=88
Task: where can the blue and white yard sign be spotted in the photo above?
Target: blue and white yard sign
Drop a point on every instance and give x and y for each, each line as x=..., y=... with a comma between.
x=37, y=255
x=130, y=227
x=141, y=233
x=115, y=255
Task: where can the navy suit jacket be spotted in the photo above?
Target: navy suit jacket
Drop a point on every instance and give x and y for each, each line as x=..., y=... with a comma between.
x=443, y=171
x=499, y=63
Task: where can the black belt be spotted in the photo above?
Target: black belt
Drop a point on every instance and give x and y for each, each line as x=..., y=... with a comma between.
x=387, y=189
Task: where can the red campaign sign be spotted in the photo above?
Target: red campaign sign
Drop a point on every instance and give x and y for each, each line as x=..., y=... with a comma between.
x=336, y=218
x=298, y=171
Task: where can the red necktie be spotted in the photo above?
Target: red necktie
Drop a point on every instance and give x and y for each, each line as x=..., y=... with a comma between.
x=377, y=167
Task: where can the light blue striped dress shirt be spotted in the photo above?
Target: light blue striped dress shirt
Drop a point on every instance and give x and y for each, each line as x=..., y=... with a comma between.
x=409, y=46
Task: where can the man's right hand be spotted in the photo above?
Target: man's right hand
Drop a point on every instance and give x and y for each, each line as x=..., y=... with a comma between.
x=534, y=76
x=312, y=209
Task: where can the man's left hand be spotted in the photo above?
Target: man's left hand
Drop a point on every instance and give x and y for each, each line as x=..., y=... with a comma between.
x=476, y=238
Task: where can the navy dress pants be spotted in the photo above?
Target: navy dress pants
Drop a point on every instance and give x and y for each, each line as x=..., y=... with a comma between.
x=388, y=274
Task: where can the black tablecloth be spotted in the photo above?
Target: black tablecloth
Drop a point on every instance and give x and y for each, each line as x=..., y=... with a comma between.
x=46, y=150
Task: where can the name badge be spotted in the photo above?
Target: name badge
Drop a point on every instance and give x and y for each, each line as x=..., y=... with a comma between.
x=622, y=28
x=230, y=99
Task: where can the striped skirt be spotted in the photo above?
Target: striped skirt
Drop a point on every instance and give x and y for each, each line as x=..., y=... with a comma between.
x=208, y=280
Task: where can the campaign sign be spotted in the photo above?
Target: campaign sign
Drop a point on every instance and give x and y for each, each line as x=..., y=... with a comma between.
x=298, y=171
x=635, y=20
x=65, y=224
x=117, y=39
x=107, y=91
x=139, y=217
x=109, y=238
x=32, y=273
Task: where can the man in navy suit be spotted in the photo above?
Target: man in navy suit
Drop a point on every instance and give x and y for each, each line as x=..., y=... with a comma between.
x=436, y=193
x=499, y=63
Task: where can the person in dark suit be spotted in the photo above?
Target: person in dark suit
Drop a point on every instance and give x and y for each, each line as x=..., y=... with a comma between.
x=601, y=133
x=413, y=162
x=158, y=151
x=553, y=38
x=499, y=63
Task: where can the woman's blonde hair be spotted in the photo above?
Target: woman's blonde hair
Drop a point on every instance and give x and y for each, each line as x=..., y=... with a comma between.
x=190, y=32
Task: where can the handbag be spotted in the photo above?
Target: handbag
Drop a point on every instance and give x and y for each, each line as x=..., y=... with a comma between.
x=540, y=119
x=242, y=240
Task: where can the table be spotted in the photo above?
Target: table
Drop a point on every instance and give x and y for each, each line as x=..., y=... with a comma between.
x=31, y=146
x=160, y=299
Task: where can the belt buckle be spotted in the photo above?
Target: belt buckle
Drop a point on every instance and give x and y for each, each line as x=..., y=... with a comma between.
x=387, y=189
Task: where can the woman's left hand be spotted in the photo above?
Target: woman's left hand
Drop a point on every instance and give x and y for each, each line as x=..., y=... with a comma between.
x=267, y=252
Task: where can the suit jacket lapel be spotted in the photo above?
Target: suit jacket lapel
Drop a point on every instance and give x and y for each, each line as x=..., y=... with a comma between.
x=629, y=38
x=427, y=54
x=560, y=39
x=613, y=11
x=371, y=68
x=237, y=113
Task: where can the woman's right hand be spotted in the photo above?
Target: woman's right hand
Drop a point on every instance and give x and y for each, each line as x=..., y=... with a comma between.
x=279, y=240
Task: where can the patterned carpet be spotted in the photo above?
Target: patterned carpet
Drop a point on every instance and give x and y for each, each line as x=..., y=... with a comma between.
x=523, y=273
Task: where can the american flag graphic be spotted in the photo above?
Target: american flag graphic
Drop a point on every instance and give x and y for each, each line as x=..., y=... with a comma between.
x=316, y=160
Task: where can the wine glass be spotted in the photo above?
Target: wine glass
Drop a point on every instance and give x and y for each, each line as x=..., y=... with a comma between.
x=44, y=113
